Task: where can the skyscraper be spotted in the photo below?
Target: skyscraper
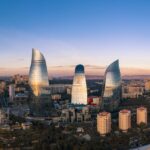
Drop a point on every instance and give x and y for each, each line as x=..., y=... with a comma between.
x=11, y=92
x=111, y=95
x=79, y=88
x=124, y=120
x=38, y=75
x=104, y=123
x=39, y=83
x=141, y=115
x=147, y=85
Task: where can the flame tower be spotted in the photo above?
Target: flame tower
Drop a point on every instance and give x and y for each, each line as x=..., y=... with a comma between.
x=79, y=88
x=111, y=95
x=38, y=75
x=38, y=80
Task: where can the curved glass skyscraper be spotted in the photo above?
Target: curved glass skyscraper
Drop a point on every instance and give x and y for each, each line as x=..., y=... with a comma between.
x=38, y=75
x=111, y=95
x=79, y=87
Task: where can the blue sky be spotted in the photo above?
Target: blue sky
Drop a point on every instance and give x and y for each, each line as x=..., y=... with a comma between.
x=69, y=32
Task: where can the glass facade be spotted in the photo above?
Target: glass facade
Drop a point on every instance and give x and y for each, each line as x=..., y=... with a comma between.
x=79, y=87
x=112, y=89
x=38, y=75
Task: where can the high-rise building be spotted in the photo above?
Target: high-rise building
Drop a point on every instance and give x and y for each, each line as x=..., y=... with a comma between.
x=111, y=95
x=124, y=120
x=11, y=92
x=39, y=83
x=104, y=123
x=147, y=85
x=141, y=115
x=38, y=75
x=79, y=88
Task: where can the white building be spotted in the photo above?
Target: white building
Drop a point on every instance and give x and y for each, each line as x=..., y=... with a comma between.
x=79, y=88
x=124, y=120
x=104, y=123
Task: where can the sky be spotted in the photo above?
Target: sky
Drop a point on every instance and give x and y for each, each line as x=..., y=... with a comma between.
x=70, y=32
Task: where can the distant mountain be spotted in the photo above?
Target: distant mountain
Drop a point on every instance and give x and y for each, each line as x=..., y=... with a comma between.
x=92, y=77
x=136, y=77
x=87, y=76
x=5, y=78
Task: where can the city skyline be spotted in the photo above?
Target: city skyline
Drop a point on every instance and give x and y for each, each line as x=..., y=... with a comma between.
x=79, y=32
x=75, y=74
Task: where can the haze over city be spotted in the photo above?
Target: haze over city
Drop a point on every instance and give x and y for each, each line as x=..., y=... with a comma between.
x=73, y=32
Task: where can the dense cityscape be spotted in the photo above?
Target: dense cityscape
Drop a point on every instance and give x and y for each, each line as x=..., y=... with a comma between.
x=38, y=113
x=74, y=75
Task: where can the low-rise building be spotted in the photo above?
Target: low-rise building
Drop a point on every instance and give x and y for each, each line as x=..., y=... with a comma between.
x=72, y=115
x=56, y=97
x=124, y=120
x=141, y=115
x=26, y=125
x=104, y=123
x=133, y=89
